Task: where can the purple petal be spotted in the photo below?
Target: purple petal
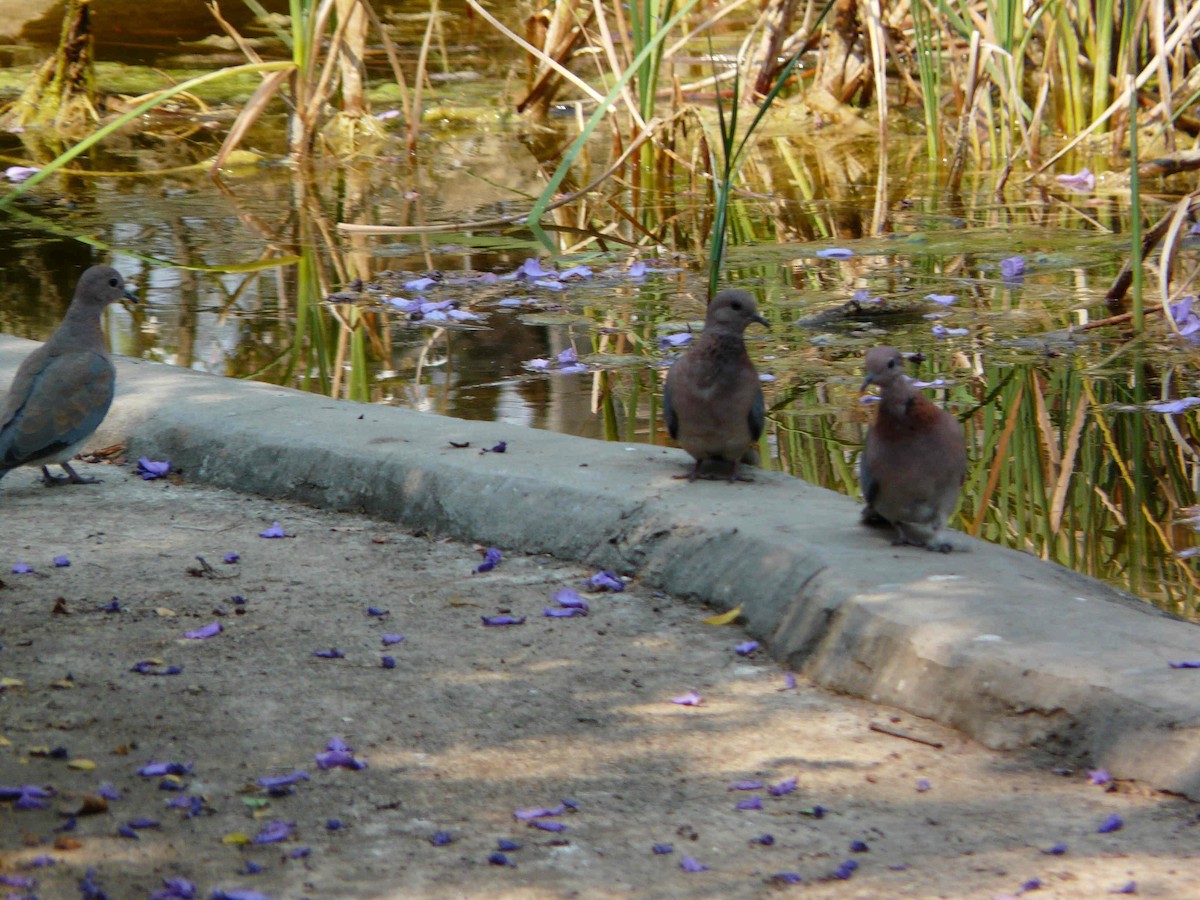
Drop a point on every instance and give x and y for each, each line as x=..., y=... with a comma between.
x=389, y=639
x=334, y=825
x=237, y=894
x=112, y=606
x=766, y=840
x=942, y=299
x=663, y=849
x=637, y=270
x=845, y=870
x=332, y=759
x=786, y=878
x=231, y=558
x=863, y=297
x=783, y=788
x=22, y=568
x=156, y=769
x=923, y=785
x=859, y=847
x=507, y=845
x=755, y=802
x=746, y=786
x=108, y=792
x=88, y=887
x=126, y=832
x=1033, y=884
x=1012, y=266
x=150, y=469
x=678, y=339
x=501, y=447
x=441, y=838
x=1185, y=664
x=1129, y=887
x=550, y=284
x=688, y=864
x=491, y=558
x=388, y=662
x=532, y=268
x=569, y=598
x=274, y=832
x=745, y=648
x=606, y=581
x=61, y=562
x=526, y=814
x=538, y=363
x=548, y=826
x=204, y=633
x=510, y=302
x=1099, y=776
x=1082, y=181
x=497, y=621
x=41, y=862
x=835, y=253
x=273, y=532
x=789, y=682
x=563, y=613
x=272, y=782
x=143, y=822
x=18, y=881
x=573, y=369
x=250, y=868
x=17, y=174
x=376, y=611
x=691, y=698
x=300, y=853
x=388, y=114
x=1057, y=850
x=580, y=272
x=1173, y=406
x=419, y=284
x=943, y=331
x=499, y=859
x=1113, y=823
x=568, y=356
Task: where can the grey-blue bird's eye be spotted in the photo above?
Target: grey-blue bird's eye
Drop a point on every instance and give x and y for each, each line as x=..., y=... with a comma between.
x=114, y=282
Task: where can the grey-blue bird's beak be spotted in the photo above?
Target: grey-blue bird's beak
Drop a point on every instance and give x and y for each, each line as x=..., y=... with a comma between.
x=131, y=296
x=867, y=382
x=761, y=321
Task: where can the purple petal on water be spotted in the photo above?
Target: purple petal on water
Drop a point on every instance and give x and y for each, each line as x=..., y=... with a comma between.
x=61, y=562
x=237, y=894
x=532, y=268
x=491, y=558
x=231, y=558
x=923, y=785
x=1173, y=406
x=783, y=788
x=573, y=369
x=942, y=299
x=766, y=840
x=859, y=847
x=273, y=532
x=755, y=802
x=688, y=864
x=463, y=315
x=845, y=870
x=789, y=682
x=663, y=849
x=678, y=339
x=150, y=469
x=1099, y=776
x=506, y=845
x=156, y=769
x=835, y=253
x=786, y=878
x=548, y=826
x=568, y=356
x=1082, y=181
x=376, y=611
x=637, y=270
x=580, y=272
x=496, y=858
x=388, y=662
x=942, y=331
x=746, y=786
x=509, y=302
x=1057, y=850
x=271, y=782
x=745, y=648
x=17, y=174
x=1181, y=310
x=538, y=363
x=201, y=634
x=569, y=598
x=550, y=284
x=1130, y=887
x=691, y=698
x=1113, y=823
x=420, y=284
x=606, y=581
x=22, y=568
x=441, y=838
x=562, y=613
x=863, y=296
x=1185, y=664
x=1012, y=266
x=529, y=813
x=274, y=832
x=498, y=621
x=389, y=639
x=331, y=653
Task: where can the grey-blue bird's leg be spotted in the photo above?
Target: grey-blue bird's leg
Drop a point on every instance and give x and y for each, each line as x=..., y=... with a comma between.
x=72, y=477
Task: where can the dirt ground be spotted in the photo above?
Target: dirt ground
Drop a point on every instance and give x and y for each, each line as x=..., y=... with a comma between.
x=471, y=724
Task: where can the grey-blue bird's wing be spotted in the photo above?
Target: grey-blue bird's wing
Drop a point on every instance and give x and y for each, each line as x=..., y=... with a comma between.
x=870, y=487
x=54, y=405
x=669, y=414
x=758, y=414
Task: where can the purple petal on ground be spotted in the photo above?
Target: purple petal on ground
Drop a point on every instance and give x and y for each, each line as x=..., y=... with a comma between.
x=562, y=613
x=859, y=847
x=274, y=832
x=112, y=606
x=942, y=299
x=1033, y=884
x=663, y=849
x=678, y=339
x=237, y=894
x=745, y=648
x=273, y=532
x=155, y=769
x=1181, y=310
x=61, y=562
x=388, y=662
x=389, y=639
x=509, y=302
x=688, y=864
x=835, y=253
x=501, y=447
x=943, y=331
x=1130, y=887
x=108, y=792
x=783, y=788
x=538, y=363
x=755, y=802
x=572, y=805
x=441, y=838
x=22, y=568
x=271, y=782
x=150, y=469
x=1185, y=664
x=250, y=868
x=1099, y=776
x=789, y=682
x=17, y=174
x=1057, y=850
x=506, y=845
x=18, y=881
x=573, y=369
x=126, y=832
x=923, y=785
x=498, y=621
x=332, y=759
x=376, y=611
x=41, y=862
x=548, y=826
x=231, y=558
x=786, y=878
x=143, y=822
x=1082, y=181
x=580, y=272
x=528, y=813
x=1012, y=266
x=300, y=853
x=420, y=284
x=569, y=598
x=766, y=840
x=1171, y=406
x=845, y=870
x=496, y=858
x=1113, y=823
x=89, y=889
x=463, y=315
x=606, y=581
x=331, y=653
x=568, y=356
x=491, y=559
x=691, y=698
x=31, y=790
x=746, y=786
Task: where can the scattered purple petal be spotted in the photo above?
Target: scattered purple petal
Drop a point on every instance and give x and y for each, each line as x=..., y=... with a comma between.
x=420, y=284
x=573, y=369
x=766, y=840
x=126, y=832
x=498, y=621
x=274, y=832
x=863, y=296
x=1185, y=664
x=17, y=174
x=388, y=114
x=389, y=639
x=501, y=447
x=250, y=868
x=441, y=838
x=746, y=786
x=150, y=469
x=745, y=648
x=580, y=272
x=550, y=284
x=25, y=790
x=376, y=611
x=300, y=853
x=274, y=782
x=41, y=862
x=548, y=826
x=1099, y=776
x=1033, y=884
x=678, y=339
x=89, y=889
x=1082, y=181
x=1057, y=850
x=496, y=858
x=691, y=698
x=789, y=682
x=108, y=792
x=1012, y=267
x=688, y=864
x=336, y=754
x=563, y=613
x=151, y=667
x=570, y=599
x=1129, y=887
x=568, y=356
x=388, y=662
x=923, y=785
x=334, y=825
x=755, y=802
x=237, y=894
x=506, y=845
x=835, y=253
x=1113, y=823
x=491, y=559
x=538, y=363
x=529, y=813
x=942, y=299
x=22, y=568
x=606, y=581
x=859, y=847
x=637, y=270
x=942, y=331
x=112, y=606
x=201, y=634
x=784, y=787
x=273, y=532
x=786, y=878
x=157, y=769
x=663, y=849
x=532, y=268
x=845, y=870
x=18, y=881
x=1173, y=406
x=143, y=822
x=61, y=562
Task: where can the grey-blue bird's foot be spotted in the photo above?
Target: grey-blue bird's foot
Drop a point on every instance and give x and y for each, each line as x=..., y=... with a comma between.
x=872, y=519
x=72, y=477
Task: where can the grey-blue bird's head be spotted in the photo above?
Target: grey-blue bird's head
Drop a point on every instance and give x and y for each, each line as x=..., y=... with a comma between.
x=732, y=311
x=100, y=286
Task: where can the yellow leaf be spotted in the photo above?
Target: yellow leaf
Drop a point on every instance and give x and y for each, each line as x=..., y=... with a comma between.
x=11, y=682
x=84, y=765
x=5, y=742
x=236, y=837
x=725, y=618
x=163, y=611
x=64, y=684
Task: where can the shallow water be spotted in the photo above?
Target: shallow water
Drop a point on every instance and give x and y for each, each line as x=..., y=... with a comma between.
x=237, y=280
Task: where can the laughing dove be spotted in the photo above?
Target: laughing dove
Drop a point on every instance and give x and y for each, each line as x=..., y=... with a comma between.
x=914, y=461
x=713, y=401
x=62, y=390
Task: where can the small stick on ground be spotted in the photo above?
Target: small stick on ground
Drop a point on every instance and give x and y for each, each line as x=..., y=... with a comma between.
x=883, y=729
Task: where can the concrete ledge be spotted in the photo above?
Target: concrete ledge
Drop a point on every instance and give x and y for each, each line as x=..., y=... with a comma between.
x=1011, y=650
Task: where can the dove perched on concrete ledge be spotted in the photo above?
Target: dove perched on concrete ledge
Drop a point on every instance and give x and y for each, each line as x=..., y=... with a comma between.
x=914, y=461
x=713, y=400
x=63, y=390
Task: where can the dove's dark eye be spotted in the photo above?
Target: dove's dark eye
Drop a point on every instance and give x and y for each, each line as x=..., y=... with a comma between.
x=891, y=363
x=114, y=282
x=736, y=304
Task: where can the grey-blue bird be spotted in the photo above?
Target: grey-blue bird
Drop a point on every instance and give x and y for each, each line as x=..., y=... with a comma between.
x=914, y=461
x=63, y=390
x=713, y=400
